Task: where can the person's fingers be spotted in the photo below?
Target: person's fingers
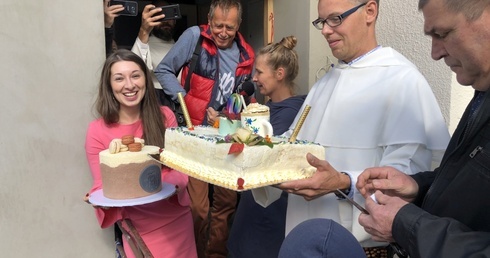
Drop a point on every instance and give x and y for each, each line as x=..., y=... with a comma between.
x=380, y=197
x=86, y=198
x=295, y=186
x=312, y=159
x=318, y=163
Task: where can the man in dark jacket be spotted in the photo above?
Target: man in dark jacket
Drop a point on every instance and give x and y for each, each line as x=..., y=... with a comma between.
x=447, y=213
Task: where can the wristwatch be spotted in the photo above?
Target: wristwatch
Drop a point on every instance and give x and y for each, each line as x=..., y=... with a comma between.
x=345, y=191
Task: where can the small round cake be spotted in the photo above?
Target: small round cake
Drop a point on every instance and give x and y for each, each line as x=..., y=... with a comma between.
x=130, y=174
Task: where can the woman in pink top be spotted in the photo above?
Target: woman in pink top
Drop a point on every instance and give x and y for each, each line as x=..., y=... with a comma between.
x=127, y=105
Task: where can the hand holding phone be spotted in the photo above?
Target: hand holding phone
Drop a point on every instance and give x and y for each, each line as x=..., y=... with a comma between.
x=130, y=7
x=172, y=12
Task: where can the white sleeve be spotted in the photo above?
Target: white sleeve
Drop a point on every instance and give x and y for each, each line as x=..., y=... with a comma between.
x=143, y=51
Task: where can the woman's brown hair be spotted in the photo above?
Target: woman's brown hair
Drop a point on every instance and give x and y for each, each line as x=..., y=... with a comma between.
x=108, y=107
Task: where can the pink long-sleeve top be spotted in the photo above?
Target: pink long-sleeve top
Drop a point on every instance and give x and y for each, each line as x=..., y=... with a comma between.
x=165, y=225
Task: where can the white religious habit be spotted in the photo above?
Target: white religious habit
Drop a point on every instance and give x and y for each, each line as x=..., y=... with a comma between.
x=377, y=111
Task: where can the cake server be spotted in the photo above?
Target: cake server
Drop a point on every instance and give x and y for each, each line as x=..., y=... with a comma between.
x=156, y=157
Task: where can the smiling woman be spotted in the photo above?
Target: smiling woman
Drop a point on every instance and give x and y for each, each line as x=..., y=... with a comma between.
x=127, y=105
x=128, y=86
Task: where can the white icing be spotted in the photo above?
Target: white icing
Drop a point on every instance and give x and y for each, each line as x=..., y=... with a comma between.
x=126, y=157
x=256, y=108
x=198, y=154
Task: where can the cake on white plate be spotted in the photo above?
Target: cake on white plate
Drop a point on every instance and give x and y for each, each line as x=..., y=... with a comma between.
x=127, y=170
x=239, y=162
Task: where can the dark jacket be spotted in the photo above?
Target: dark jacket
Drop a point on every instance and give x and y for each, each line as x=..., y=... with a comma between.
x=451, y=217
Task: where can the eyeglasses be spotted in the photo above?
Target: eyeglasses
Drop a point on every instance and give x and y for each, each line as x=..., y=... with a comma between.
x=336, y=20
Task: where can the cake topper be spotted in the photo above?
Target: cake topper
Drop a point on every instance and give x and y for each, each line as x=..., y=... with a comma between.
x=300, y=123
x=242, y=137
x=234, y=104
x=185, y=111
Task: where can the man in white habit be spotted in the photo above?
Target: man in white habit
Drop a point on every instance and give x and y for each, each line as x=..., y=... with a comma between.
x=373, y=108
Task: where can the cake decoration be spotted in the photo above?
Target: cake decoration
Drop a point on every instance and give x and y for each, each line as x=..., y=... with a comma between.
x=127, y=172
x=205, y=155
x=185, y=111
x=229, y=118
x=234, y=105
x=150, y=178
x=242, y=137
x=240, y=183
x=256, y=117
x=123, y=144
x=299, y=124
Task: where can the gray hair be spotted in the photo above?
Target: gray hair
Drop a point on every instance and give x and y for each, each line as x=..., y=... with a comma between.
x=471, y=9
x=225, y=5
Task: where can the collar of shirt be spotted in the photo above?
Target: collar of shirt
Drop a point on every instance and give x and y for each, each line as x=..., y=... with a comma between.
x=360, y=57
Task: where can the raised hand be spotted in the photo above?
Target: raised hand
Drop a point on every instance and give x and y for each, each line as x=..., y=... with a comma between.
x=110, y=13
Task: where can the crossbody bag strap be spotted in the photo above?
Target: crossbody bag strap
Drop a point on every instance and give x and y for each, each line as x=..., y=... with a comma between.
x=195, y=57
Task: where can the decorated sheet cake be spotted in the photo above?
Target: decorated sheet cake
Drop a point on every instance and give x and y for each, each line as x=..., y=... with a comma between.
x=240, y=161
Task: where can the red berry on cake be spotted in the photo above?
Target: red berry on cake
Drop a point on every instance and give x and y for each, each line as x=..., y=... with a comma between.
x=240, y=183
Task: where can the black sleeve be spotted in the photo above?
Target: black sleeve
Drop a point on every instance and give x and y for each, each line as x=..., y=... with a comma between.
x=424, y=180
x=109, y=37
x=426, y=235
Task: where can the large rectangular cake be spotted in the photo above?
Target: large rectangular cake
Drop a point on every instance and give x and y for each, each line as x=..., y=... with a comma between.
x=203, y=154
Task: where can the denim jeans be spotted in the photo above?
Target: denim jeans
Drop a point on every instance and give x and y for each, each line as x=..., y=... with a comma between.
x=320, y=238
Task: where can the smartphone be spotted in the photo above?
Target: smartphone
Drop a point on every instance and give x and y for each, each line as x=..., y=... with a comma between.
x=172, y=12
x=130, y=7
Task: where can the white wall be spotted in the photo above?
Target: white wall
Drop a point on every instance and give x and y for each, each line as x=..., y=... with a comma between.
x=51, y=56
x=400, y=26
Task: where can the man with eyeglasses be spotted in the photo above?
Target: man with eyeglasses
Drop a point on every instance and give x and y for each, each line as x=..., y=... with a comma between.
x=444, y=213
x=373, y=108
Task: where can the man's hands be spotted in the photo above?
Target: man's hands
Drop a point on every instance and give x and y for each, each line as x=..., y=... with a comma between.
x=389, y=180
x=379, y=222
x=393, y=190
x=110, y=13
x=149, y=21
x=325, y=180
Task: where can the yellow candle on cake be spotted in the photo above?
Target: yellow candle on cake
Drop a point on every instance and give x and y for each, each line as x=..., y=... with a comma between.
x=299, y=124
x=185, y=111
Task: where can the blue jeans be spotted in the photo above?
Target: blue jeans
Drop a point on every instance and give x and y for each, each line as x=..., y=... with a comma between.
x=320, y=238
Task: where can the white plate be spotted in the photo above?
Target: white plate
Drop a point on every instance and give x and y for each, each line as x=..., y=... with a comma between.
x=98, y=198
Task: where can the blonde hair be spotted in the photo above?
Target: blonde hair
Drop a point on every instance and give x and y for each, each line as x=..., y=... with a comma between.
x=283, y=55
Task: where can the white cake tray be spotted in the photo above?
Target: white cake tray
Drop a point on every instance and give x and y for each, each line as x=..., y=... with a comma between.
x=98, y=198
